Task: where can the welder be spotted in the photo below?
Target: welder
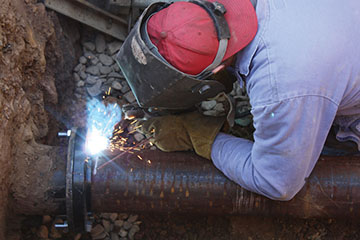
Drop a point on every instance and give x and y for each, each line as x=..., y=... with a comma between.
x=298, y=60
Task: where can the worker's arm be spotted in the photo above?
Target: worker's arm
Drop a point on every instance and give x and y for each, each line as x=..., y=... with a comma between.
x=289, y=138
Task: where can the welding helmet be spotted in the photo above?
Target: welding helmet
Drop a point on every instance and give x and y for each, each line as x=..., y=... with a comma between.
x=160, y=80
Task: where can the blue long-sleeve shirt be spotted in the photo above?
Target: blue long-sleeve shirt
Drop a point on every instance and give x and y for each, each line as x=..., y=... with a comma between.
x=302, y=74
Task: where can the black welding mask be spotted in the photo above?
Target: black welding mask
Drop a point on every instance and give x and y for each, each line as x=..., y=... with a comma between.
x=154, y=82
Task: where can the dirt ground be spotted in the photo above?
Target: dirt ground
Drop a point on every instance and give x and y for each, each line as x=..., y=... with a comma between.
x=38, y=50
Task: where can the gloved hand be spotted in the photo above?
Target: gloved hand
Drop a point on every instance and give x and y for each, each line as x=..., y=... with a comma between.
x=189, y=131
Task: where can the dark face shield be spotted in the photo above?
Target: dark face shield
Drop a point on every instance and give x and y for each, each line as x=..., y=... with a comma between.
x=154, y=82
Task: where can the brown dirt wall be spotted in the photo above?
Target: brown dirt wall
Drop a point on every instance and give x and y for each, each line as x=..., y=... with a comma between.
x=32, y=68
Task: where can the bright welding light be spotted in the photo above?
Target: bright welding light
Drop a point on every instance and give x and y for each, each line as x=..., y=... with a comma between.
x=96, y=142
x=101, y=121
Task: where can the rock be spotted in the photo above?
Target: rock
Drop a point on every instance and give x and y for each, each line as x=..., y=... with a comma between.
x=43, y=232
x=105, y=69
x=123, y=216
x=91, y=79
x=115, y=75
x=134, y=229
x=89, y=56
x=80, y=83
x=76, y=77
x=105, y=215
x=107, y=225
x=106, y=60
x=89, y=45
x=118, y=223
x=79, y=67
x=114, y=236
x=113, y=217
x=116, y=67
x=94, y=70
x=83, y=75
x=129, y=96
x=137, y=222
x=123, y=233
x=127, y=225
x=138, y=137
x=125, y=87
x=97, y=230
x=95, y=89
x=208, y=105
x=46, y=219
x=116, y=85
x=113, y=47
x=83, y=60
x=133, y=218
x=94, y=61
x=100, y=236
x=100, y=43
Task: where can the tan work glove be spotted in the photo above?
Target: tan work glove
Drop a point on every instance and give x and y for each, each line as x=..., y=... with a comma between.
x=189, y=131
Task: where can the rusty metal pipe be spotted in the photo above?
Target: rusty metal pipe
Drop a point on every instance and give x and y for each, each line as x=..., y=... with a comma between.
x=185, y=183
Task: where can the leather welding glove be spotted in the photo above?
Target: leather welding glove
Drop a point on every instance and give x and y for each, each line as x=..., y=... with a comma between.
x=189, y=131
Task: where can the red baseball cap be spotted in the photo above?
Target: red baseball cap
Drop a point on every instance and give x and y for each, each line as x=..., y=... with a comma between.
x=185, y=34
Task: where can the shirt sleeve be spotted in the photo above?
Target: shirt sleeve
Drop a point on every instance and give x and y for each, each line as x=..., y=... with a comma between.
x=288, y=140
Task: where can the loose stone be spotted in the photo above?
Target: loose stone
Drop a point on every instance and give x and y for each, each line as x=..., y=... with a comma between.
x=133, y=218
x=116, y=85
x=97, y=230
x=134, y=229
x=105, y=215
x=89, y=56
x=100, y=236
x=79, y=67
x=113, y=47
x=106, y=224
x=125, y=87
x=115, y=75
x=123, y=233
x=80, y=83
x=113, y=217
x=76, y=77
x=105, y=69
x=95, y=89
x=116, y=67
x=114, y=236
x=83, y=75
x=106, y=60
x=127, y=225
x=83, y=60
x=94, y=61
x=123, y=216
x=119, y=223
x=100, y=43
x=94, y=70
x=89, y=45
x=129, y=96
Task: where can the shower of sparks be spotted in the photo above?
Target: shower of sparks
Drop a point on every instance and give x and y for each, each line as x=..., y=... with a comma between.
x=101, y=121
